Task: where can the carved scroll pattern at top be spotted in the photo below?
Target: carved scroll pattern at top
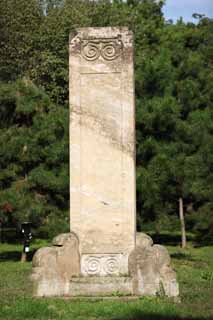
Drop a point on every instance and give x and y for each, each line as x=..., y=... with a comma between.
x=101, y=265
x=108, y=49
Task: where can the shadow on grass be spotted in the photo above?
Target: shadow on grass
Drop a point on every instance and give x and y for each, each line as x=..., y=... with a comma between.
x=182, y=256
x=170, y=239
x=174, y=239
x=203, y=241
x=139, y=315
x=15, y=255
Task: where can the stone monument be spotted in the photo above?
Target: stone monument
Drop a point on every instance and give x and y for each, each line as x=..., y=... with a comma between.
x=102, y=134
x=101, y=255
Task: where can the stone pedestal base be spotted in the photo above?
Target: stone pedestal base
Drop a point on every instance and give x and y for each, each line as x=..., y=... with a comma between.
x=57, y=271
x=100, y=286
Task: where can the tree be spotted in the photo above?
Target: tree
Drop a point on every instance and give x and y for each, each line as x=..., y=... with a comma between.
x=173, y=85
x=170, y=121
x=20, y=27
x=34, y=156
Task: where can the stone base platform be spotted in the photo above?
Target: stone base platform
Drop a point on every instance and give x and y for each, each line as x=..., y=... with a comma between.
x=101, y=286
x=100, y=298
x=57, y=272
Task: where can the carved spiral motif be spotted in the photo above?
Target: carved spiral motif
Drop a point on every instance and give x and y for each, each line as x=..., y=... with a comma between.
x=93, y=265
x=91, y=51
x=111, y=265
x=109, y=51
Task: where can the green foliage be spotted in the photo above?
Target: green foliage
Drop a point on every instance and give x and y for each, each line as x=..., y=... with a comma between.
x=173, y=85
x=174, y=126
x=34, y=158
x=19, y=23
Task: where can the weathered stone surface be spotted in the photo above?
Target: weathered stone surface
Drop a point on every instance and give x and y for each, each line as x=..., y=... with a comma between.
x=68, y=257
x=104, y=264
x=101, y=286
x=102, y=148
x=60, y=239
x=53, y=267
x=143, y=240
x=150, y=268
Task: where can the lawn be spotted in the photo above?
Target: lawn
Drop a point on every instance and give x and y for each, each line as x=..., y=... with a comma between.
x=194, y=268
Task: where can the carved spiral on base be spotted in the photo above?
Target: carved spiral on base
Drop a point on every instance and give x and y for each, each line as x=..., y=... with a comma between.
x=92, y=266
x=101, y=265
x=111, y=265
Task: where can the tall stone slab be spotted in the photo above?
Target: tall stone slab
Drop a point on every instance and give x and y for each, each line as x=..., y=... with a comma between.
x=100, y=255
x=102, y=148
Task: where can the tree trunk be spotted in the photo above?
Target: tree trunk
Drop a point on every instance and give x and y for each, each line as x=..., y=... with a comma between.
x=182, y=223
x=23, y=257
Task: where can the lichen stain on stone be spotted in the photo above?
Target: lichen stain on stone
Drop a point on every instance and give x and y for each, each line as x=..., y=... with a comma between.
x=106, y=128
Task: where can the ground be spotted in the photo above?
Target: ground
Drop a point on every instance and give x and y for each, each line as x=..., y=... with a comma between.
x=194, y=268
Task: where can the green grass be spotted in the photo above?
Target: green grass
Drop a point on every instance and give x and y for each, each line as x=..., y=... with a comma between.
x=194, y=267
